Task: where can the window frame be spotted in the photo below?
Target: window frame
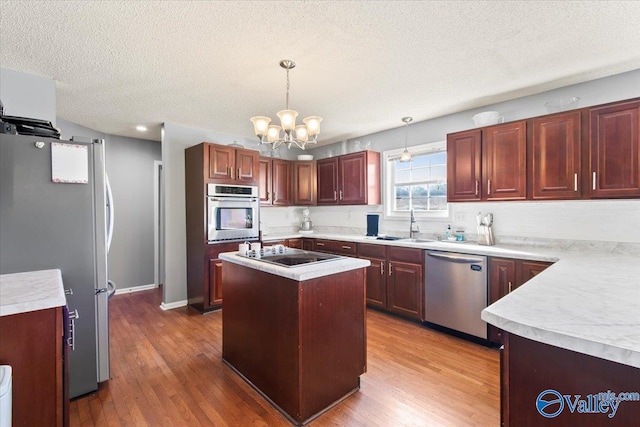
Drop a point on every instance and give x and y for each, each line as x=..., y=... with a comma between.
x=388, y=181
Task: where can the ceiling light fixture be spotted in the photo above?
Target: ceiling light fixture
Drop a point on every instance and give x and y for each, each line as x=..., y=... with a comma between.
x=300, y=135
x=406, y=156
x=141, y=128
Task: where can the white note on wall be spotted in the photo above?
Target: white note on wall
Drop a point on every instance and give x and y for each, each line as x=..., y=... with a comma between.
x=69, y=163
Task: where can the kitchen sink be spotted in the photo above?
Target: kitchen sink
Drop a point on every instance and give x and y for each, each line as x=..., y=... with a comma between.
x=417, y=240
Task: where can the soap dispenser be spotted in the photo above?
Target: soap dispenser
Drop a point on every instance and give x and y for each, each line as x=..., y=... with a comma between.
x=448, y=235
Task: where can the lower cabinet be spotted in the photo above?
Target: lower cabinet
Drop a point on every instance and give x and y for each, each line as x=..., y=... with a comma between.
x=33, y=344
x=204, y=277
x=505, y=275
x=394, y=279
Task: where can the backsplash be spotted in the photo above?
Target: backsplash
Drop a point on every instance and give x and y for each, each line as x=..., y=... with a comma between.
x=587, y=220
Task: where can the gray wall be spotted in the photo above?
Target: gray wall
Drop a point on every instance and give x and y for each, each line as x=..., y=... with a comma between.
x=27, y=95
x=129, y=163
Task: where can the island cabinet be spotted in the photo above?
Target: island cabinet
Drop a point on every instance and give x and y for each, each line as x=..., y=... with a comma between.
x=274, y=185
x=615, y=150
x=32, y=344
x=554, y=153
x=231, y=165
x=571, y=388
x=505, y=275
x=300, y=343
x=351, y=179
x=487, y=163
x=394, y=279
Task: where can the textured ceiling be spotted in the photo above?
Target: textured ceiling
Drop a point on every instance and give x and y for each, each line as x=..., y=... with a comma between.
x=361, y=65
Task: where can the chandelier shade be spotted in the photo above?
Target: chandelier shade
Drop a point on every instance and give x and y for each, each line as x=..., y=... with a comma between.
x=406, y=156
x=288, y=132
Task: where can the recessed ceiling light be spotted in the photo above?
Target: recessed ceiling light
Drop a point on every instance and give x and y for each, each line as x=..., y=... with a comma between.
x=141, y=128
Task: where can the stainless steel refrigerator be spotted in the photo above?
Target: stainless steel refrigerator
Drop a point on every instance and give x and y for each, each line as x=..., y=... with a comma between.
x=63, y=225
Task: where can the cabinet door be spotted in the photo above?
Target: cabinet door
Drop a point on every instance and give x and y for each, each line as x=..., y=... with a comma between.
x=464, y=166
x=504, y=152
x=554, y=156
x=215, y=282
x=294, y=243
x=404, y=289
x=264, y=181
x=281, y=182
x=502, y=280
x=352, y=179
x=376, y=282
x=615, y=150
x=308, y=244
x=304, y=183
x=246, y=166
x=530, y=269
x=328, y=181
x=221, y=162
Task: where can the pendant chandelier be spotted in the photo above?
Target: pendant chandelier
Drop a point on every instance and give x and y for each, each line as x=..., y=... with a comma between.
x=406, y=156
x=287, y=133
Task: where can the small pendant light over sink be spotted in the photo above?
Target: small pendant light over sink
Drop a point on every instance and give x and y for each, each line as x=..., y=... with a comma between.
x=406, y=156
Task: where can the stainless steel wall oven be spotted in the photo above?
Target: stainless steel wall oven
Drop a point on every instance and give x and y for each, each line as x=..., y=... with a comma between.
x=232, y=212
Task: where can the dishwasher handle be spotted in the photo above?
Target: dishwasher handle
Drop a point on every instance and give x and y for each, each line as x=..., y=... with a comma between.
x=455, y=258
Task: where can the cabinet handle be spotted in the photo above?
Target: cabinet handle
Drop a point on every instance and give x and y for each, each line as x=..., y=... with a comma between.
x=510, y=286
x=71, y=341
x=488, y=186
x=346, y=247
x=390, y=269
x=335, y=195
x=229, y=171
x=382, y=268
x=575, y=182
x=594, y=181
x=477, y=186
x=238, y=175
x=340, y=194
x=319, y=244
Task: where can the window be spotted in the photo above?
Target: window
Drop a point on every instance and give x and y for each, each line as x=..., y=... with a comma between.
x=420, y=184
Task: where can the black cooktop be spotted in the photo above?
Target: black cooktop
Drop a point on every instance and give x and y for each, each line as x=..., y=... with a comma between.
x=292, y=257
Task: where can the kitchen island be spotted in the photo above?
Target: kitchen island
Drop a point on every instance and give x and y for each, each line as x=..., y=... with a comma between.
x=296, y=334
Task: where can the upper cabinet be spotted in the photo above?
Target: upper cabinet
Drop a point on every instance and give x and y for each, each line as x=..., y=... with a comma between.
x=487, y=164
x=588, y=153
x=554, y=153
x=352, y=179
x=232, y=165
x=504, y=155
x=615, y=150
x=304, y=183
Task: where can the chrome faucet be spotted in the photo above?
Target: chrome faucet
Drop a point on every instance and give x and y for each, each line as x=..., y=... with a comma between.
x=413, y=230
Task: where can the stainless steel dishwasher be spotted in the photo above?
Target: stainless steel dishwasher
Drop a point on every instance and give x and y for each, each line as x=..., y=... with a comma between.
x=456, y=291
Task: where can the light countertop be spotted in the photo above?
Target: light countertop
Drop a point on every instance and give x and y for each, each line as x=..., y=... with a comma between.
x=31, y=291
x=298, y=273
x=588, y=301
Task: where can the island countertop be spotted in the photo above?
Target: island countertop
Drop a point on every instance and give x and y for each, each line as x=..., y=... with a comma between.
x=30, y=291
x=302, y=272
x=588, y=301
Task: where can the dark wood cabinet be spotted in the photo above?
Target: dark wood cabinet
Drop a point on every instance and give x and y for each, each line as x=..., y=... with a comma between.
x=464, y=161
x=232, y=165
x=504, y=171
x=274, y=182
x=32, y=344
x=487, y=163
x=304, y=183
x=505, y=275
x=555, y=155
x=394, y=279
x=352, y=179
x=336, y=247
x=615, y=150
x=308, y=244
x=210, y=163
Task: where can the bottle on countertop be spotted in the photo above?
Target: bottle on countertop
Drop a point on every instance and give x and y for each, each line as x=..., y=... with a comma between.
x=448, y=235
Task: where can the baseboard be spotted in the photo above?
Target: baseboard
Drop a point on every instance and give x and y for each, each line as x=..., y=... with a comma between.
x=135, y=289
x=172, y=305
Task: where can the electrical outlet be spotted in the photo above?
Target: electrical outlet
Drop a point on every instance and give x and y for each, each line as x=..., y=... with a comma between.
x=459, y=217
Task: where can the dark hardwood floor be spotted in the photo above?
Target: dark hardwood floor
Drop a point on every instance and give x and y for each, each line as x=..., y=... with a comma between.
x=166, y=370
